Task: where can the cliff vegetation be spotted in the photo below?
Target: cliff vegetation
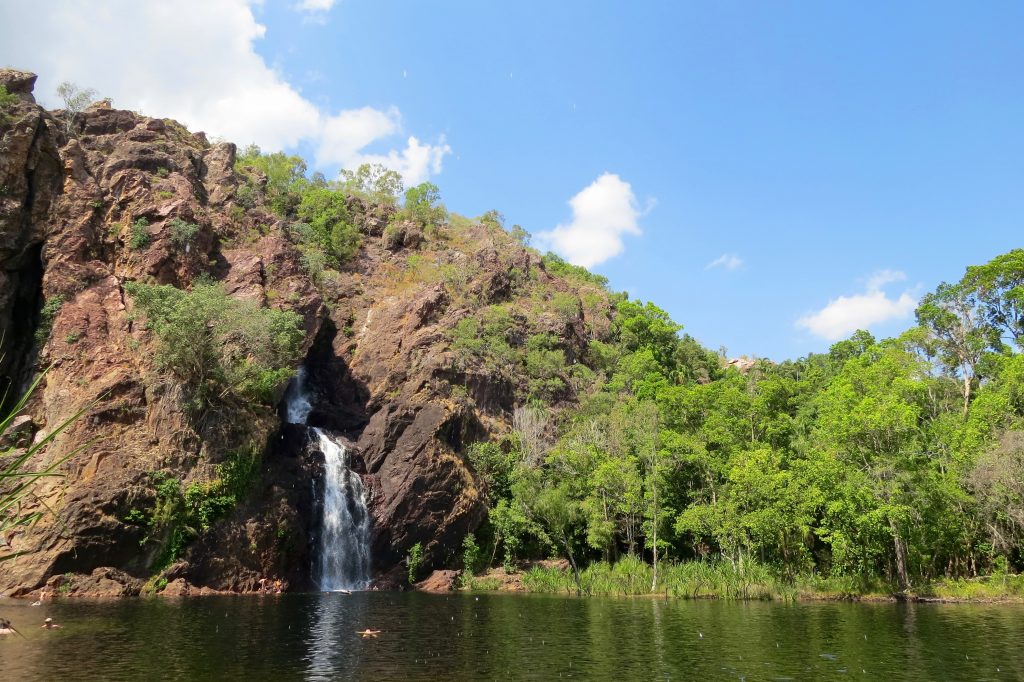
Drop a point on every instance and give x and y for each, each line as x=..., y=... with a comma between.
x=503, y=406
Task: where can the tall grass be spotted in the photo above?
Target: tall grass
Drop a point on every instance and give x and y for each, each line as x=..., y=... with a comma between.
x=17, y=480
x=692, y=580
x=748, y=580
x=996, y=587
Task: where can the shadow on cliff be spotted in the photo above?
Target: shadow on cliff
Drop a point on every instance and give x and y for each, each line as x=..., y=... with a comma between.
x=274, y=534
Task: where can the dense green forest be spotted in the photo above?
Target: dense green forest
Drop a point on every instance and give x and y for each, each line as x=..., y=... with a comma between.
x=895, y=461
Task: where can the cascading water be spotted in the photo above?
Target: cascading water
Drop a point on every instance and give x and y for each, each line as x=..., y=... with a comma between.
x=345, y=534
x=345, y=520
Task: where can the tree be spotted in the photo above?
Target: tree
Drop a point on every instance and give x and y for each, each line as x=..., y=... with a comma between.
x=864, y=461
x=646, y=422
x=648, y=326
x=598, y=458
x=953, y=316
x=422, y=205
x=76, y=100
x=870, y=421
x=373, y=181
x=999, y=287
x=553, y=506
x=520, y=235
x=493, y=218
x=530, y=423
x=997, y=481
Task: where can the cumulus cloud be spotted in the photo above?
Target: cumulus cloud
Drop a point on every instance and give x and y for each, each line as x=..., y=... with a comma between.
x=346, y=133
x=416, y=162
x=727, y=261
x=602, y=213
x=195, y=61
x=846, y=314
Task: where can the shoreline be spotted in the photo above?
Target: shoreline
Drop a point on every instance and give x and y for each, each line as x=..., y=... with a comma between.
x=687, y=581
x=802, y=597
x=546, y=578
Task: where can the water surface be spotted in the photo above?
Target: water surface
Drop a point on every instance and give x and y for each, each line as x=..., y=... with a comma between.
x=508, y=637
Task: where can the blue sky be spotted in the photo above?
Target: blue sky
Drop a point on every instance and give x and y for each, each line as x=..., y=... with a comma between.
x=769, y=173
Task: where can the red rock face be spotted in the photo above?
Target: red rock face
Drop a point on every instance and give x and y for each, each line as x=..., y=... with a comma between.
x=381, y=366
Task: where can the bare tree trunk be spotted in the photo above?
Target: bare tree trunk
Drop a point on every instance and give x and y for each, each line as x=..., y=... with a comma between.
x=572, y=562
x=494, y=552
x=654, y=516
x=901, y=557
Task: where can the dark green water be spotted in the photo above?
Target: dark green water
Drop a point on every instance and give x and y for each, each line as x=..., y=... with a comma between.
x=508, y=637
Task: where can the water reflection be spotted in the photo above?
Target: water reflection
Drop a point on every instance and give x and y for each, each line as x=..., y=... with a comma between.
x=470, y=637
x=331, y=641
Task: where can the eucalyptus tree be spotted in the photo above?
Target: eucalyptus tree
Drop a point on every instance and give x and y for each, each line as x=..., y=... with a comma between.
x=959, y=335
x=870, y=424
x=999, y=288
x=75, y=99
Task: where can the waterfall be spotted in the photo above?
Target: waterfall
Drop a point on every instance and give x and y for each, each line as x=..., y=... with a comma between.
x=345, y=520
x=345, y=534
x=296, y=401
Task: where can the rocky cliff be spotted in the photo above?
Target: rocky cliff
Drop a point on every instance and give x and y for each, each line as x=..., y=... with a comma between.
x=386, y=368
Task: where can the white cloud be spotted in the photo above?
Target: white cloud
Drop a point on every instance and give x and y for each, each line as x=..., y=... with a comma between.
x=416, y=162
x=847, y=314
x=729, y=261
x=879, y=279
x=602, y=213
x=195, y=61
x=345, y=133
x=316, y=5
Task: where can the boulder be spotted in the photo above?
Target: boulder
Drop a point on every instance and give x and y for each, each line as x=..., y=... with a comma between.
x=440, y=581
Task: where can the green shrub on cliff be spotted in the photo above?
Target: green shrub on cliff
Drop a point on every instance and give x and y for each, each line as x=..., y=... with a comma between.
x=545, y=362
x=327, y=213
x=217, y=345
x=140, y=237
x=558, y=266
x=285, y=178
x=486, y=337
x=6, y=98
x=47, y=315
x=182, y=232
x=422, y=206
x=414, y=561
x=179, y=515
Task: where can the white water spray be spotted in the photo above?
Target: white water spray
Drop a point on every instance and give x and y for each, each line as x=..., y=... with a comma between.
x=345, y=531
x=345, y=520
